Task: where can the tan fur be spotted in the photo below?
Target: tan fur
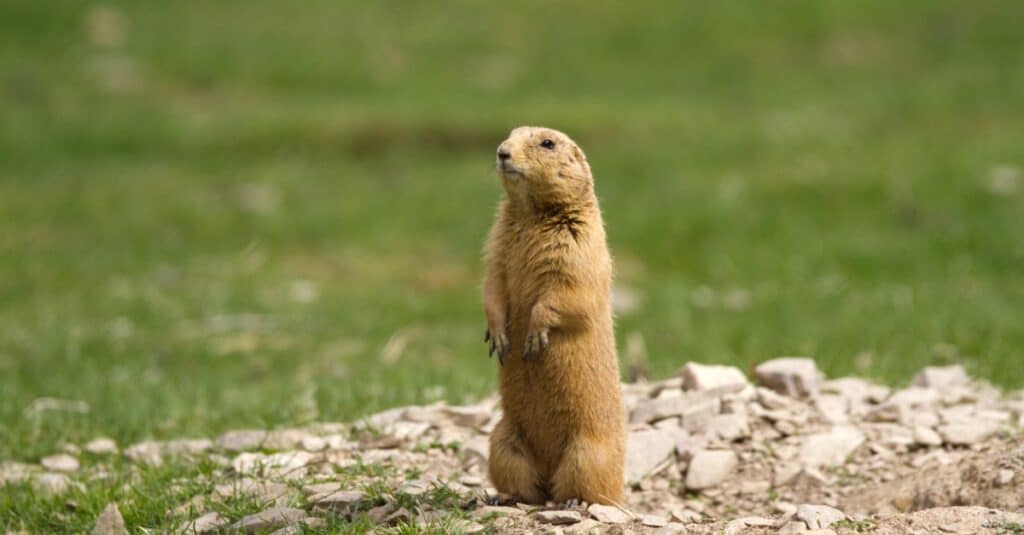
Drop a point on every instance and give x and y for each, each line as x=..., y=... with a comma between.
x=547, y=301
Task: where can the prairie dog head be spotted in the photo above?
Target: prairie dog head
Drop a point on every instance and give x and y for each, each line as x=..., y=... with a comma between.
x=543, y=165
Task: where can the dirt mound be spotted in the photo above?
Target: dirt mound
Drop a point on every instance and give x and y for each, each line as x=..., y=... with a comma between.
x=991, y=477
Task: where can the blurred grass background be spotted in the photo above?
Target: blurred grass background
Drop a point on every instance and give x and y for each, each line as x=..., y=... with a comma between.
x=226, y=214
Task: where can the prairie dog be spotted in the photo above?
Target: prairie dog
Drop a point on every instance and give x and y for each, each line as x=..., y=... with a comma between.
x=547, y=299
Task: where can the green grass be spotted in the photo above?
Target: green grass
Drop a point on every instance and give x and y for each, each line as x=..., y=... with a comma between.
x=221, y=220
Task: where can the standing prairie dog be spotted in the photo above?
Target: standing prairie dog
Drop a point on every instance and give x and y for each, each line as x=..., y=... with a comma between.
x=547, y=299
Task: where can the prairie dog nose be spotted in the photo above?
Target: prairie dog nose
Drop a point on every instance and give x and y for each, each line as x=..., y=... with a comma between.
x=503, y=154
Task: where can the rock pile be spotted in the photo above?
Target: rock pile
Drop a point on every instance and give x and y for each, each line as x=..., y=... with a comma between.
x=708, y=452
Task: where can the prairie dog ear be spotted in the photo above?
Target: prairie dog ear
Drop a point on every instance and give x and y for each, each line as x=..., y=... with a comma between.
x=582, y=158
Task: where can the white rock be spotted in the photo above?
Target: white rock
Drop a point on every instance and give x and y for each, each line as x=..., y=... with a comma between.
x=187, y=446
x=699, y=412
x=101, y=446
x=686, y=516
x=729, y=427
x=942, y=377
x=1004, y=477
x=148, y=452
x=110, y=522
x=320, y=488
x=914, y=396
x=708, y=468
x=772, y=400
x=478, y=447
x=409, y=430
x=669, y=403
x=52, y=483
x=243, y=439
x=709, y=376
x=654, y=521
x=285, y=439
x=340, y=500
x=468, y=416
x=559, y=518
x=268, y=520
x=266, y=492
x=740, y=525
x=646, y=450
x=672, y=528
x=834, y=408
x=968, y=433
x=497, y=511
x=284, y=463
x=793, y=527
x=832, y=447
x=314, y=443
x=792, y=376
x=208, y=523
x=13, y=472
x=819, y=516
x=608, y=514
x=926, y=436
x=61, y=462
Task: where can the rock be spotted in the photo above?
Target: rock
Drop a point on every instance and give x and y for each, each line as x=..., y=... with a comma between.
x=286, y=439
x=654, y=521
x=785, y=473
x=673, y=528
x=645, y=450
x=968, y=433
x=321, y=488
x=409, y=430
x=608, y=514
x=793, y=527
x=942, y=377
x=478, y=447
x=926, y=436
x=241, y=440
x=110, y=522
x=469, y=416
x=266, y=492
x=52, y=483
x=709, y=376
x=831, y=448
x=586, y=526
x=558, y=518
x=186, y=446
x=208, y=523
x=268, y=520
x=834, y=408
x=729, y=427
x=338, y=501
x=497, y=510
x=686, y=516
x=670, y=403
x=818, y=516
x=61, y=462
x=101, y=446
x=12, y=472
x=416, y=487
x=699, y=412
x=280, y=463
x=1004, y=477
x=740, y=525
x=708, y=468
x=792, y=376
x=147, y=452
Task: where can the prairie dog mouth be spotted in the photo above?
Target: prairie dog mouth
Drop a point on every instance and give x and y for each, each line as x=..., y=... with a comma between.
x=508, y=170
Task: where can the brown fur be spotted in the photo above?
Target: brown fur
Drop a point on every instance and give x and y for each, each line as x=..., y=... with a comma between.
x=547, y=301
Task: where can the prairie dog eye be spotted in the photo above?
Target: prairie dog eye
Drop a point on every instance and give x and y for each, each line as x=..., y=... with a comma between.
x=547, y=144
